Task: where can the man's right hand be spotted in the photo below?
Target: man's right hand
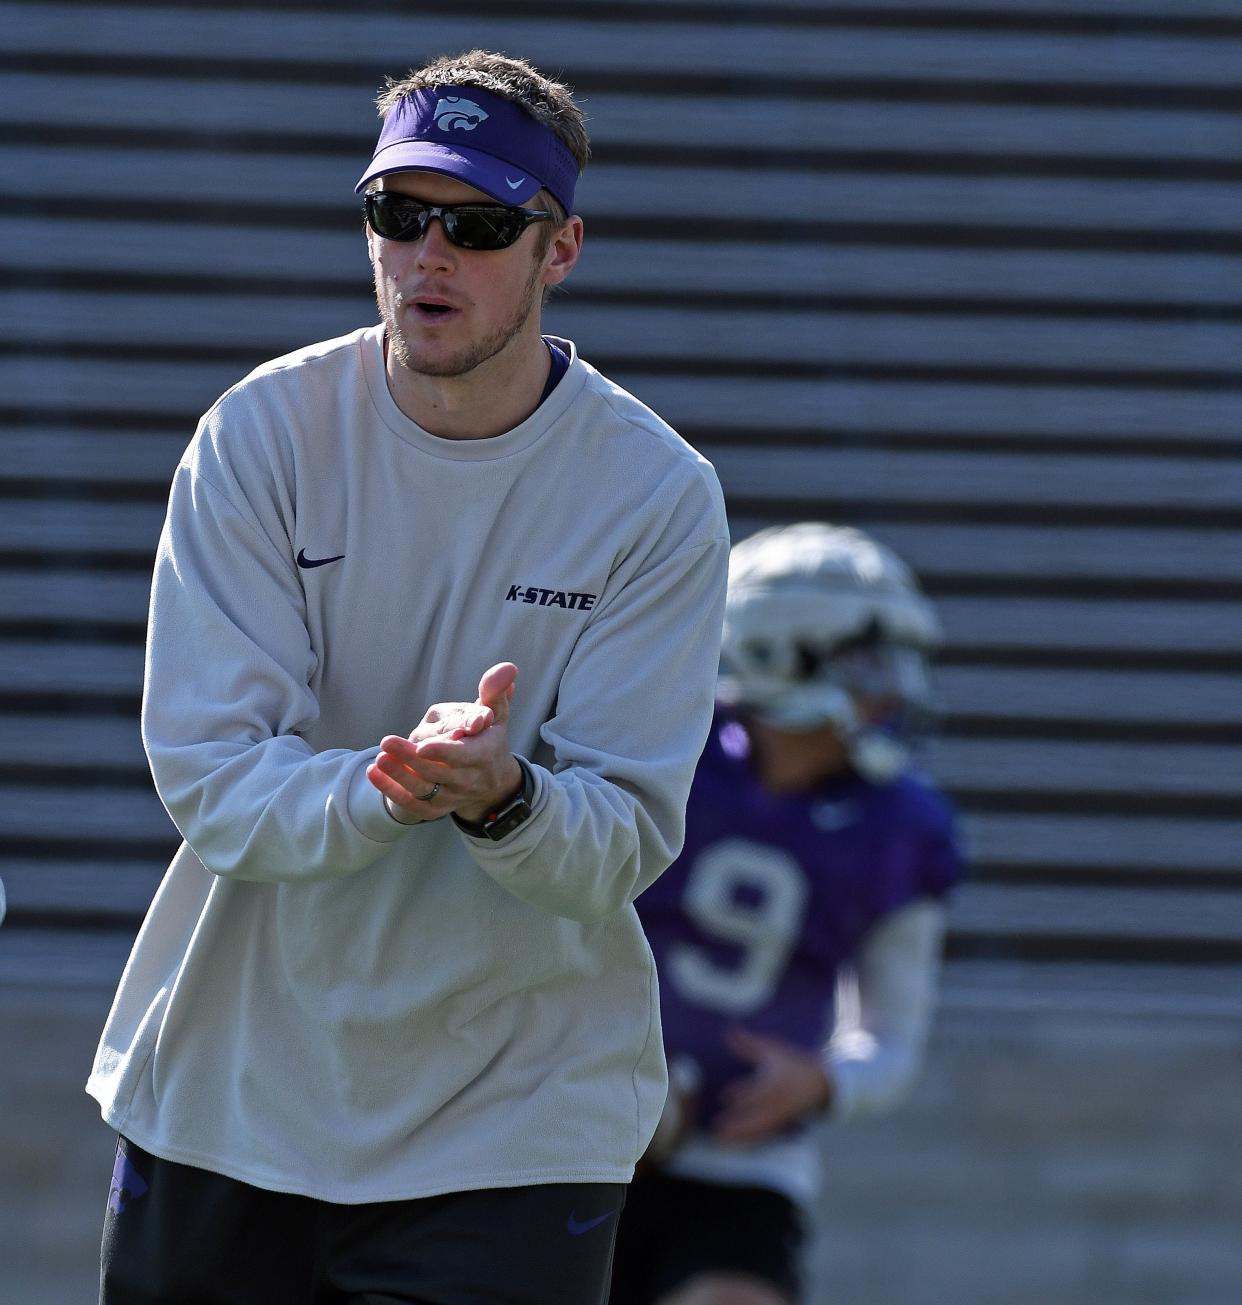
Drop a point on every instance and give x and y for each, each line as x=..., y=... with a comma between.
x=461, y=746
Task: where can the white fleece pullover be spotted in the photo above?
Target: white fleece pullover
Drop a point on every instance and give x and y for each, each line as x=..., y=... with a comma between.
x=320, y=999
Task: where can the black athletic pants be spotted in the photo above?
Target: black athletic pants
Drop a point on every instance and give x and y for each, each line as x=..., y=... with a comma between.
x=174, y=1235
x=677, y=1228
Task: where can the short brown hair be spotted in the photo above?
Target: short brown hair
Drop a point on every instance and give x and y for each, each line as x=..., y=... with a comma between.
x=550, y=103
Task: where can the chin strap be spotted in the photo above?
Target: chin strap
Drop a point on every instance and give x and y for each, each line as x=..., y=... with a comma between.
x=877, y=756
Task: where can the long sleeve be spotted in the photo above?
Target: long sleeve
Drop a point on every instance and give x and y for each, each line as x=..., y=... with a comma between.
x=877, y=1046
x=633, y=712
x=227, y=695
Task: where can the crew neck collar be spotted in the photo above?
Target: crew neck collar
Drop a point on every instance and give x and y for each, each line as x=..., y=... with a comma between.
x=488, y=449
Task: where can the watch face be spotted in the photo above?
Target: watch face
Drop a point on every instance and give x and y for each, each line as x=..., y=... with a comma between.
x=506, y=821
x=501, y=823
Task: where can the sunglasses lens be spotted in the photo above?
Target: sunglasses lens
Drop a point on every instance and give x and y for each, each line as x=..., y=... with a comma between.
x=483, y=227
x=394, y=217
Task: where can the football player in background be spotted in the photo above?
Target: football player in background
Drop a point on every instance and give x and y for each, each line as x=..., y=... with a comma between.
x=798, y=935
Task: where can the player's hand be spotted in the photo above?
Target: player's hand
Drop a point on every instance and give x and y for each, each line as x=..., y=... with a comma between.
x=785, y=1085
x=461, y=746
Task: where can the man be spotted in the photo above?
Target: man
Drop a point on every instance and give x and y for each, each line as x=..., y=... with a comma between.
x=389, y=1031
x=812, y=846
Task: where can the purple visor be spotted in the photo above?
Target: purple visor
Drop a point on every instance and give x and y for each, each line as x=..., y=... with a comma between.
x=488, y=142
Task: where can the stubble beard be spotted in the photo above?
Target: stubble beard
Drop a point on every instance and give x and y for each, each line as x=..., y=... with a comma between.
x=472, y=355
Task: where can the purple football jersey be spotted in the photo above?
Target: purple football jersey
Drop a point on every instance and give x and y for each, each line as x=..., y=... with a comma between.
x=773, y=894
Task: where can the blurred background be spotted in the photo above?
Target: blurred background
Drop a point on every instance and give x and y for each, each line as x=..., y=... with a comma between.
x=964, y=273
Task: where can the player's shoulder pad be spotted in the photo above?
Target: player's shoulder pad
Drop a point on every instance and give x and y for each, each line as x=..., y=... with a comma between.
x=920, y=801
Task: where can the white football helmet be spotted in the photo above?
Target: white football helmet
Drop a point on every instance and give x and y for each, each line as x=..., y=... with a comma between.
x=819, y=619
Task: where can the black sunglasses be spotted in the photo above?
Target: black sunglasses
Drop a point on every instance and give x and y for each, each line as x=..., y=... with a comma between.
x=472, y=226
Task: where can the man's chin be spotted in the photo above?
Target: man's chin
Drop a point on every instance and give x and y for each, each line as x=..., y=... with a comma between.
x=422, y=363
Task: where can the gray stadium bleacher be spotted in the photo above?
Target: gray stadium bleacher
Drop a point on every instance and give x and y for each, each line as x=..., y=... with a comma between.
x=964, y=276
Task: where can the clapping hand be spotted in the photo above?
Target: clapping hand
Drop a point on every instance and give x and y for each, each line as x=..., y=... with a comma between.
x=456, y=759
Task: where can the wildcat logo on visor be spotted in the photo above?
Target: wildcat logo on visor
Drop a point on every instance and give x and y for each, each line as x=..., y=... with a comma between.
x=456, y=112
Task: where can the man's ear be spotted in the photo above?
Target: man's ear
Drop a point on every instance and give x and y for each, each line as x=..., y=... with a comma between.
x=563, y=251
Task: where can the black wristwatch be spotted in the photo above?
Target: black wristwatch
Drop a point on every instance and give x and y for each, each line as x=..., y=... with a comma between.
x=503, y=820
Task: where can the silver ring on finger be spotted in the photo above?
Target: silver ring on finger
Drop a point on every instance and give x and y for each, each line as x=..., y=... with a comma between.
x=426, y=797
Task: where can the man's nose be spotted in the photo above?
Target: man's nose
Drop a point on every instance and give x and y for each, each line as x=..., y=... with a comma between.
x=435, y=249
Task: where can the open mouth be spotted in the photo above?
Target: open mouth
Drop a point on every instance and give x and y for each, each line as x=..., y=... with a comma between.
x=429, y=313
